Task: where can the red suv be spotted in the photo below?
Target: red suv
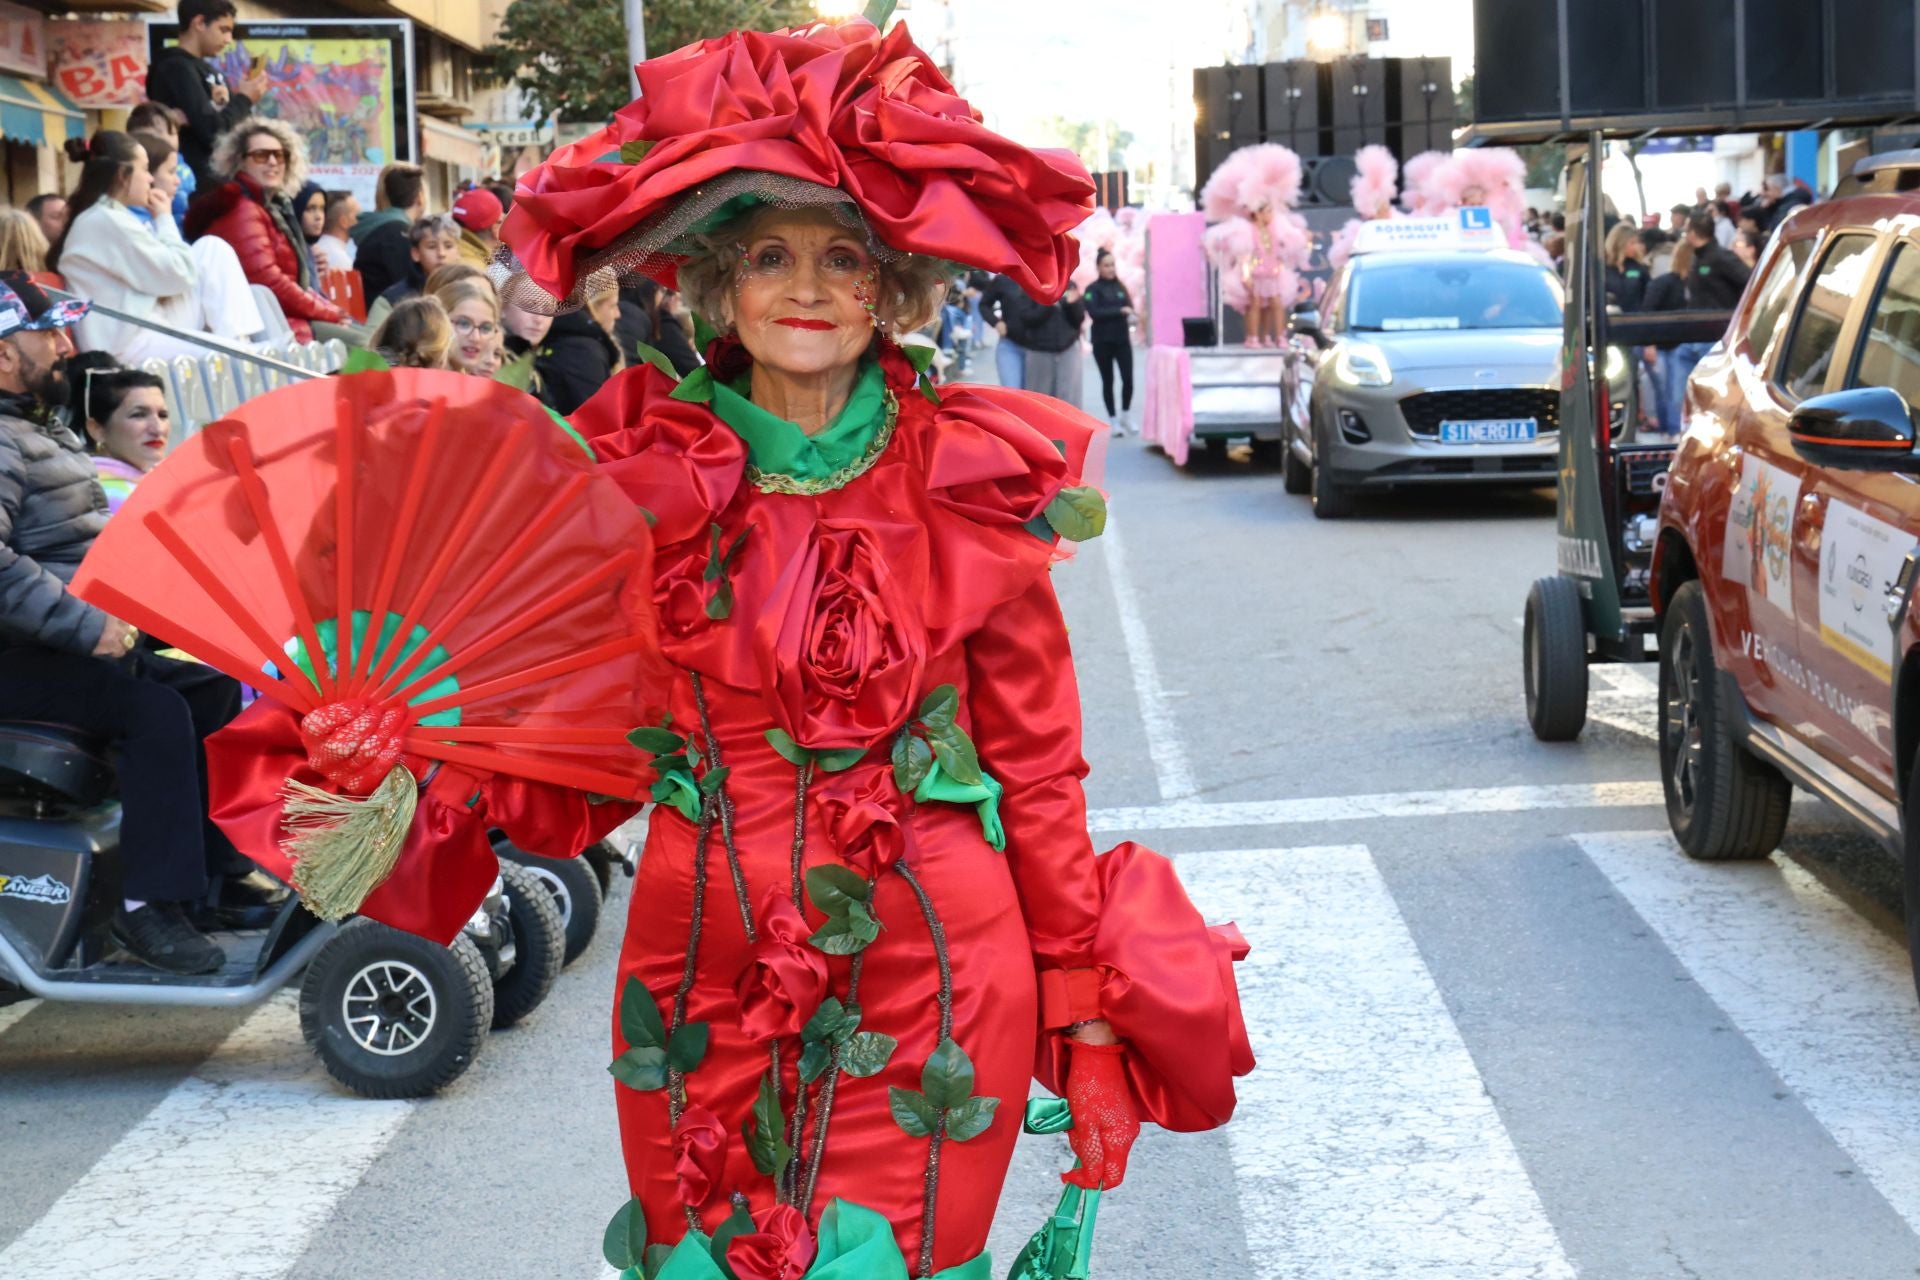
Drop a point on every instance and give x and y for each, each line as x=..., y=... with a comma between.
x=1785, y=565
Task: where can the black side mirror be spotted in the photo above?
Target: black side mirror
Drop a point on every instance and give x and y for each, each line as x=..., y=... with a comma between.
x=1864, y=429
x=1306, y=323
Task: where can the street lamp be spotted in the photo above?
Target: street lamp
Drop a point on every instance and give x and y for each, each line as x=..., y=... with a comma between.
x=1329, y=34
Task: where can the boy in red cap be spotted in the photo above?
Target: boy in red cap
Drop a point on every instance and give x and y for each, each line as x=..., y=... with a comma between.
x=479, y=214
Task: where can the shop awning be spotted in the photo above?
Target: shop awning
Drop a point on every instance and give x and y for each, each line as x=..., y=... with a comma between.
x=450, y=144
x=37, y=114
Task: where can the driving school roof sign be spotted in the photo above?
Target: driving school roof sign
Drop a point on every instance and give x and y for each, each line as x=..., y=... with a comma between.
x=1469, y=228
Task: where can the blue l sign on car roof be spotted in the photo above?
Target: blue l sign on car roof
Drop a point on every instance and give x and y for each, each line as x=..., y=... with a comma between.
x=1476, y=218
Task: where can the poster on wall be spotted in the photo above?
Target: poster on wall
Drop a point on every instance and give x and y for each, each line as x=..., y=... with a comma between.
x=345, y=85
x=99, y=62
x=23, y=42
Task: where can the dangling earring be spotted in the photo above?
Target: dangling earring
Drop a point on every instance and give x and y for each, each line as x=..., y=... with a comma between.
x=865, y=293
x=746, y=265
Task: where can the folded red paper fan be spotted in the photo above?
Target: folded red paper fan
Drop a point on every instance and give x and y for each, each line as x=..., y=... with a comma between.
x=426, y=570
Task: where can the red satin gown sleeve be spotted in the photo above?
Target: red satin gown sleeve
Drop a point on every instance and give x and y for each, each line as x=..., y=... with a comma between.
x=1114, y=936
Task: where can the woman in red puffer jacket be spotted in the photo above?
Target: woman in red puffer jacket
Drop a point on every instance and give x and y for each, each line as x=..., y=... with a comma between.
x=266, y=162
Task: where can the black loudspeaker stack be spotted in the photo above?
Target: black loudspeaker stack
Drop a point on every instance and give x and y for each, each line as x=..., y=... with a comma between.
x=1325, y=111
x=1634, y=57
x=1110, y=189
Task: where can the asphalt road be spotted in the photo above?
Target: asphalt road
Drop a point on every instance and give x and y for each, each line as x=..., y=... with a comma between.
x=1506, y=1029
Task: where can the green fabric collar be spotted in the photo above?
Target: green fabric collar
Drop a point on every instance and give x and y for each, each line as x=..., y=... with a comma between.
x=778, y=447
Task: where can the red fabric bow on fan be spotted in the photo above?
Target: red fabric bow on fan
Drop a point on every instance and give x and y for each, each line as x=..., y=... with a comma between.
x=445, y=605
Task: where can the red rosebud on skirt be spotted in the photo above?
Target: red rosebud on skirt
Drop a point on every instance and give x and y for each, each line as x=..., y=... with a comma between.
x=782, y=1248
x=699, y=1154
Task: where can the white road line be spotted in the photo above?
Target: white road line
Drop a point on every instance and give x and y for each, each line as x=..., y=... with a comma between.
x=1365, y=1144
x=1170, y=767
x=226, y=1177
x=1626, y=697
x=1822, y=995
x=11, y=1014
x=1192, y=814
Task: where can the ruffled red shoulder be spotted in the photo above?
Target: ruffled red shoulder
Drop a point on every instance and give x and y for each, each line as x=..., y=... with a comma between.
x=672, y=457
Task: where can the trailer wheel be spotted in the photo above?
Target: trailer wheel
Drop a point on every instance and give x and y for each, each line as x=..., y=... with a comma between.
x=1295, y=476
x=1331, y=500
x=1555, y=659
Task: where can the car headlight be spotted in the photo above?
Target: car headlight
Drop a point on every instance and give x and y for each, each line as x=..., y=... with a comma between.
x=1616, y=365
x=1362, y=364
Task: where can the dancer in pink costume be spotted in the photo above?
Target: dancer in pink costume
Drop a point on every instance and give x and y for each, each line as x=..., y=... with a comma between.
x=1260, y=259
x=1374, y=187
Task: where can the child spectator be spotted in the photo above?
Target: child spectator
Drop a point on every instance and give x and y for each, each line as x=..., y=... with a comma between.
x=380, y=237
x=222, y=302
x=183, y=77
x=578, y=356
x=156, y=119
x=50, y=211
x=479, y=214
x=23, y=246
x=416, y=335
x=334, y=251
x=474, y=311
x=432, y=243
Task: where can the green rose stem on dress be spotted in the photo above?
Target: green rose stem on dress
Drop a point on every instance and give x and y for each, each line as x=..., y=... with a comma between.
x=677, y=1080
x=830, y=1087
x=802, y=776
x=938, y=932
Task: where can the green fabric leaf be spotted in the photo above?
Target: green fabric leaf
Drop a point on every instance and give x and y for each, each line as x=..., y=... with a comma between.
x=1048, y=1115
x=677, y=790
x=985, y=798
x=971, y=1118
x=634, y=150
x=939, y=709
x=654, y=1259
x=834, y=889
x=928, y=390
x=848, y=934
x=695, y=388
x=517, y=372
x=625, y=1240
x=641, y=1069
x=1078, y=514
x=912, y=757
x=703, y=334
x=365, y=360
x=733, y=548
x=691, y=1259
x=687, y=1046
x=716, y=563
x=660, y=742
x=789, y=750
x=653, y=356
x=855, y=1243
x=867, y=1054
x=814, y=1060
x=979, y=1267
x=585, y=448
x=954, y=750
x=912, y=1112
x=640, y=1022
x=738, y=1223
x=720, y=607
x=766, y=1140
x=831, y=1023
x=838, y=761
x=948, y=1076
x=919, y=355
x=712, y=779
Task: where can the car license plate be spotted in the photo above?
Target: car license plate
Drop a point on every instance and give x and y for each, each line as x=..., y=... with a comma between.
x=1490, y=431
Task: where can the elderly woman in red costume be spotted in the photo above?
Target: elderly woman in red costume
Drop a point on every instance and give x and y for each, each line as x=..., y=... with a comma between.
x=868, y=910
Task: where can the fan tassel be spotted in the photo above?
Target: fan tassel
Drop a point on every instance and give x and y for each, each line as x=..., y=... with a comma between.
x=344, y=847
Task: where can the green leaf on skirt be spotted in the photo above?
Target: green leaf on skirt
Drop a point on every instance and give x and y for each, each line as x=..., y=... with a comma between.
x=912, y=1112
x=641, y=1069
x=625, y=1240
x=640, y=1023
x=948, y=1076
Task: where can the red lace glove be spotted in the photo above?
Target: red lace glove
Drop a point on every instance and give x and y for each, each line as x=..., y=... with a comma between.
x=1105, y=1118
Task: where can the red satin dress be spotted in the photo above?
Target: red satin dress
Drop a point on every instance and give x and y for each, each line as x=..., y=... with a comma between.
x=849, y=606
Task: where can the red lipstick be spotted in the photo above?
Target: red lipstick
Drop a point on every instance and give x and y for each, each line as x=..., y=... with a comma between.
x=801, y=322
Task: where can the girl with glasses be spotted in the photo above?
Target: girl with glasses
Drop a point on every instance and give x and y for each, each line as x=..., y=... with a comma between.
x=474, y=312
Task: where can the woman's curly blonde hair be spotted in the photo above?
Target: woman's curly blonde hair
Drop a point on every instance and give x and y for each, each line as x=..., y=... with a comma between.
x=911, y=287
x=230, y=148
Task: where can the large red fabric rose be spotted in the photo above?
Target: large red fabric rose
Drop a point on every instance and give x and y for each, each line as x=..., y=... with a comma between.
x=781, y=1249
x=673, y=458
x=859, y=814
x=787, y=978
x=838, y=105
x=841, y=641
x=699, y=1154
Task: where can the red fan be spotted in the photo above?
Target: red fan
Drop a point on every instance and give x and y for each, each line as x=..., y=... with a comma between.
x=423, y=569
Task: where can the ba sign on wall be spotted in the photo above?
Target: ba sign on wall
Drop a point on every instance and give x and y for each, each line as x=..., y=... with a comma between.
x=99, y=62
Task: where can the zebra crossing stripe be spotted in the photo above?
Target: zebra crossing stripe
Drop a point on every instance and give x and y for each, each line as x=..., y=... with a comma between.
x=11, y=1014
x=1823, y=996
x=226, y=1177
x=1189, y=814
x=1365, y=1144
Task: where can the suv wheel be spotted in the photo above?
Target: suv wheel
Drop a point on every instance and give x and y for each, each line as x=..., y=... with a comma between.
x=1331, y=501
x=1295, y=476
x=1554, y=655
x=1723, y=802
x=1910, y=869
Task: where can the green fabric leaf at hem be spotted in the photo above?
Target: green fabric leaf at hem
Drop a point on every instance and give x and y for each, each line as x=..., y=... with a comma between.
x=917, y=1117
x=971, y=1118
x=687, y=1047
x=643, y=1070
x=980, y=1268
x=985, y=798
x=625, y=1241
x=691, y=1259
x=948, y=1076
x=577, y=438
x=640, y=1023
x=1078, y=514
x=652, y=1262
x=855, y=1243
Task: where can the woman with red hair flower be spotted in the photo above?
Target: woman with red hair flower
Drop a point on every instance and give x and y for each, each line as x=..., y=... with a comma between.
x=868, y=911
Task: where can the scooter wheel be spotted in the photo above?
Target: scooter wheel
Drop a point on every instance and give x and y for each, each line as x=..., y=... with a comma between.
x=539, y=945
x=392, y=1015
x=574, y=885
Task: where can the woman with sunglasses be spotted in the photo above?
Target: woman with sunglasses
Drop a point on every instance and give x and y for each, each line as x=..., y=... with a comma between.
x=264, y=162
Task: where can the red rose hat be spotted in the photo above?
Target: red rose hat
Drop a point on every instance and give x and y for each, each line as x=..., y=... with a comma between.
x=835, y=115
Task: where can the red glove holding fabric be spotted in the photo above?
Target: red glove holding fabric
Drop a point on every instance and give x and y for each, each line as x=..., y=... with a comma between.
x=1105, y=1117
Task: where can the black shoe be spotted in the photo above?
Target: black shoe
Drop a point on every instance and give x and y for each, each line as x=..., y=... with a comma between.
x=249, y=901
x=158, y=934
